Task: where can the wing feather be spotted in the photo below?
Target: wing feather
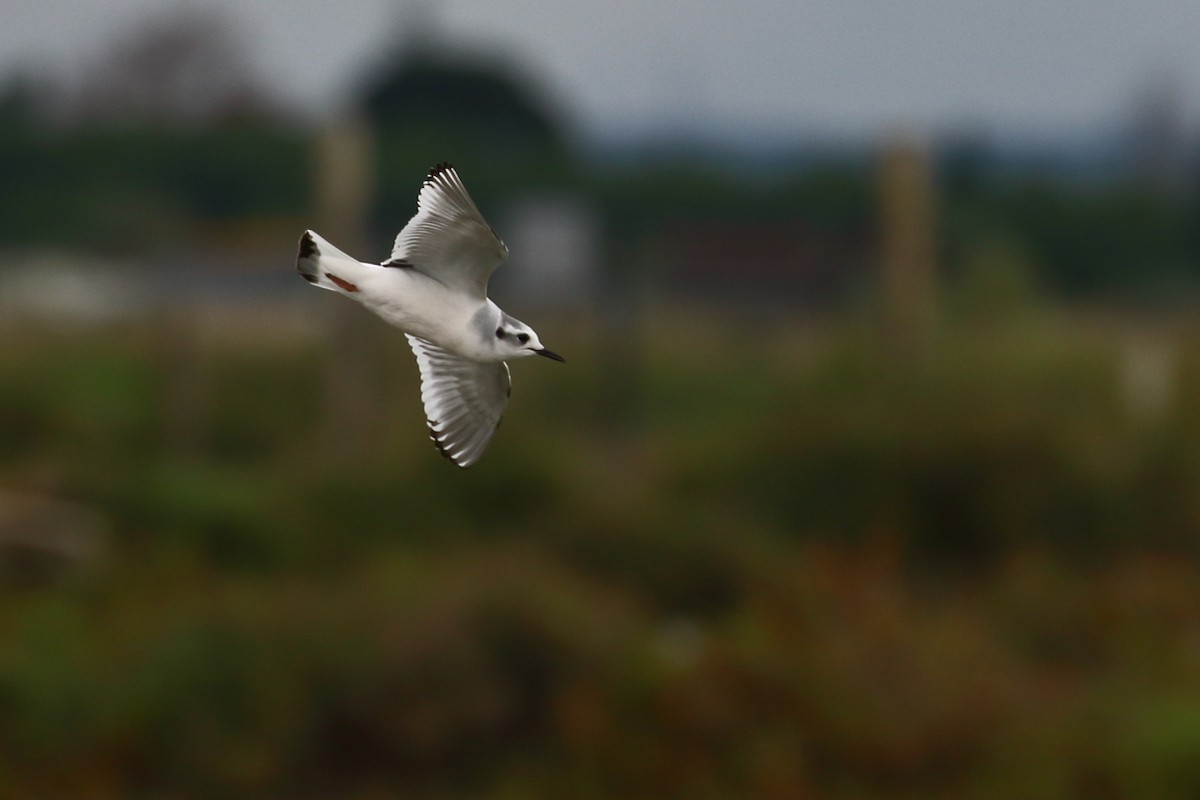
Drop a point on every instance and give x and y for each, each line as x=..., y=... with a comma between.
x=464, y=400
x=448, y=239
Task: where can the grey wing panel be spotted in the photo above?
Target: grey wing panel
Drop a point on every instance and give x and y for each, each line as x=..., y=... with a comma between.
x=448, y=238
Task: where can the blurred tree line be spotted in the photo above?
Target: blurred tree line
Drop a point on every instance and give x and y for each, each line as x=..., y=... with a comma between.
x=173, y=134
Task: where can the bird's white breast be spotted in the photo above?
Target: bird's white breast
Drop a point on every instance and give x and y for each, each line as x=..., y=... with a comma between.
x=422, y=306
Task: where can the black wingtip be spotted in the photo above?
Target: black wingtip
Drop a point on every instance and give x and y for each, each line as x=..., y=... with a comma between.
x=444, y=451
x=438, y=169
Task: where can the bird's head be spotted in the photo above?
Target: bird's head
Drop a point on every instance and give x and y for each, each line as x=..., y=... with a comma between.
x=515, y=339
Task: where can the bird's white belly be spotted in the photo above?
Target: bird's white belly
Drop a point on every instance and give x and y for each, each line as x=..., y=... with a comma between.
x=418, y=305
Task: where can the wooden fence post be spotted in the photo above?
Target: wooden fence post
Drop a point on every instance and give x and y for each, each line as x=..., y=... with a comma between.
x=355, y=353
x=908, y=247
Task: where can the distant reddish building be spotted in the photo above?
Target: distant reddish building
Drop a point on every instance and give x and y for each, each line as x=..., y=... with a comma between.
x=793, y=263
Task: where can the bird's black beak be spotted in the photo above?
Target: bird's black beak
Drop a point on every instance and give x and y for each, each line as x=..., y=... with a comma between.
x=550, y=354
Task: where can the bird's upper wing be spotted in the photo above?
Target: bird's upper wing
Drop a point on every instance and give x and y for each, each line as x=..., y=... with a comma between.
x=448, y=239
x=463, y=400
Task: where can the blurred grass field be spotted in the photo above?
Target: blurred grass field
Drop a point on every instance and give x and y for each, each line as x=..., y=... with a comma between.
x=770, y=560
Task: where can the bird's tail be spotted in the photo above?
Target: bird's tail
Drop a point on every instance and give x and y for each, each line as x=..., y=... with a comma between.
x=322, y=264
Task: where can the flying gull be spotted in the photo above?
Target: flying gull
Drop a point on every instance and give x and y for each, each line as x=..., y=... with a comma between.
x=434, y=288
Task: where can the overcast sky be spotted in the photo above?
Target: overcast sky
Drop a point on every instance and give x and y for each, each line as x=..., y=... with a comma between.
x=766, y=67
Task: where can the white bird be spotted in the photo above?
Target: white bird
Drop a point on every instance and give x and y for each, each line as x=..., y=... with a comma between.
x=434, y=288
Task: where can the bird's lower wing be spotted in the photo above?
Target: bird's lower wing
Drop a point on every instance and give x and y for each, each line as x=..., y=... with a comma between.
x=464, y=400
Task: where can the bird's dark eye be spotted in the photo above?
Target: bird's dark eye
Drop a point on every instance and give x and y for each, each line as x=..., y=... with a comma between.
x=522, y=337
x=499, y=333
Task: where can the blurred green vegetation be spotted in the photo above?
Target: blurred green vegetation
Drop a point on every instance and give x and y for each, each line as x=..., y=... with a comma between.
x=796, y=570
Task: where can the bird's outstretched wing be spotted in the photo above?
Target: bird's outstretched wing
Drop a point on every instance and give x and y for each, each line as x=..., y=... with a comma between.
x=463, y=400
x=448, y=239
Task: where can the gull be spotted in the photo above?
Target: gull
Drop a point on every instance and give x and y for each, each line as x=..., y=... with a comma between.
x=434, y=288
